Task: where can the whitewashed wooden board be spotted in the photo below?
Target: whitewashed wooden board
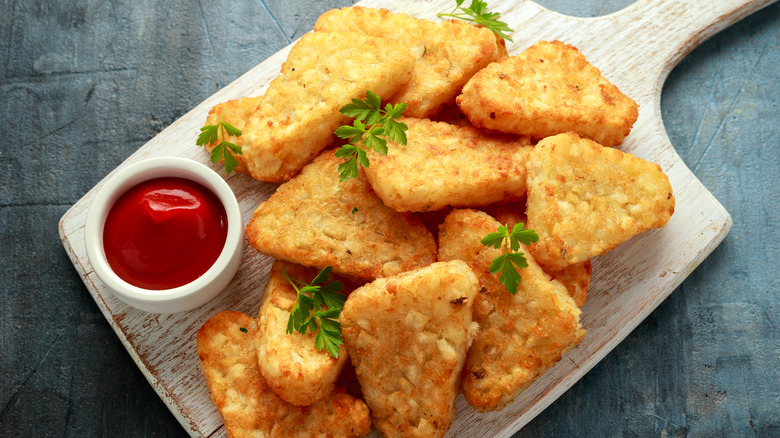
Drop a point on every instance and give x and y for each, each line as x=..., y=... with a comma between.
x=635, y=48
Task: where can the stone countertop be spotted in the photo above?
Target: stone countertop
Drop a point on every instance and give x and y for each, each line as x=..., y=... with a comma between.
x=83, y=84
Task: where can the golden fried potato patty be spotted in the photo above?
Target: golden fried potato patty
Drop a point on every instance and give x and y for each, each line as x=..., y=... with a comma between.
x=229, y=363
x=295, y=119
x=315, y=220
x=548, y=89
x=407, y=336
x=585, y=199
x=291, y=364
x=520, y=336
x=576, y=279
x=444, y=164
x=447, y=53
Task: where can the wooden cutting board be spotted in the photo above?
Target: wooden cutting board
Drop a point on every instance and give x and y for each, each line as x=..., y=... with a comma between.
x=635, y=49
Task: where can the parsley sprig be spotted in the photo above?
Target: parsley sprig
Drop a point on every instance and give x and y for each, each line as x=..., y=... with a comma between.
x=478, y=13
x=509, y=262
x=318, y=306
x=209, y=134
x=370, y=125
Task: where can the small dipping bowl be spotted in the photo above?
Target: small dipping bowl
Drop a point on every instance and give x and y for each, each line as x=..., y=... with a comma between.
x=181, y=298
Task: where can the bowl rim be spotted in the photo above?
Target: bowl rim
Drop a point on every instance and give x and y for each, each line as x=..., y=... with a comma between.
x=135, y=174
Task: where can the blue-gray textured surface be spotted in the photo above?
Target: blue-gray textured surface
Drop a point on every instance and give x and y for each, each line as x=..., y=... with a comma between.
x=84, y=83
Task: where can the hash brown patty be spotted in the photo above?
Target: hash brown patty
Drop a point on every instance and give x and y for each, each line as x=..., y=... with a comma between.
x=295, y=119
x=316, y=220
x=585, y=199
x=292, y=366
x=446, y=165
x=447, y=54
x=407, y=336
x=548, y=89
x=249, y=409
x=520, y=336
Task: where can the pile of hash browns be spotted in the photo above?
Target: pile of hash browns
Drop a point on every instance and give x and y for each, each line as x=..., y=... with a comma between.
x=492, y=140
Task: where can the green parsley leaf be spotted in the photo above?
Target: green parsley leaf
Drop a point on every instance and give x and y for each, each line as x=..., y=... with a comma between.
x=371, y=129
x=231, y=130
x=477, y=13
x=358, y=109
x=317, y=309
x=354, y=210
x=373, y=141
x=348, y=169
x=230, y=162
x=362, y=158
x=346, y=151
x=209, y=134
x=327, y=340
x=322, y=277
x=333, y=300
x=347, y=131
x=373, y=100
x=217, y=152
x=396, y=131
x=396, y=111
x=519, y=233
x=233, y=147
x=243, y=329
x=509, y=277
x=509, y=263
x=495, y=240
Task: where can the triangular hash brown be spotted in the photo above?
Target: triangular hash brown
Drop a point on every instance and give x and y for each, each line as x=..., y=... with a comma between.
x=585, y=199
x=316, y=220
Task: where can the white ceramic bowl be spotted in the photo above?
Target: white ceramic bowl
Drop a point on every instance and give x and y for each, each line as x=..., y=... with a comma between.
x=192, y=294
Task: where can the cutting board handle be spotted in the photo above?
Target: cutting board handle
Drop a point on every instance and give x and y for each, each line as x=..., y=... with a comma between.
x=661, y=32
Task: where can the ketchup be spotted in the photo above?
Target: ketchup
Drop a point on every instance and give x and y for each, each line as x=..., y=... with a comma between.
x=164, y=233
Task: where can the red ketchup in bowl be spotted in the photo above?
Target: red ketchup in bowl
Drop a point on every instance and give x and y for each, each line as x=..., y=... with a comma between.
x=164, y=233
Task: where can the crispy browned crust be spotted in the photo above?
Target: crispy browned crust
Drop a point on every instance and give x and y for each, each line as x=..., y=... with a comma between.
x=446, y=165
x=310, y=221
x=576, y=279
x=508, y=214
x=520, y=335
x=249, y=409
x=295, y=119
x=292, y=366
x=501, y=43
x=447, y=53
x=548, y=89
x=585, y=199
x=407, y=336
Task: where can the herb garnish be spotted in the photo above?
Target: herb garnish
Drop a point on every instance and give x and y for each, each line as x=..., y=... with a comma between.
x=318, y=306
x=508, y=263
x=209, y=134
x=478, y=13
x=364, y=136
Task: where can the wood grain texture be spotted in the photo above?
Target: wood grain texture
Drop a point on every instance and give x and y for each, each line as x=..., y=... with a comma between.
x=53, y=75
